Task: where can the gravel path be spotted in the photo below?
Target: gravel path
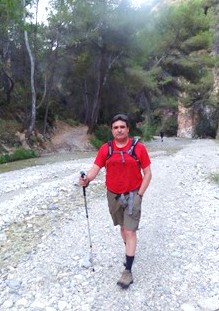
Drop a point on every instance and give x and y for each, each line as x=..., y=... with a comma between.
x=44, y=237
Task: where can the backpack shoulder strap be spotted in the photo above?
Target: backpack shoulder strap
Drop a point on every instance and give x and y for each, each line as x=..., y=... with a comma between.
x=110, y=148
x=132, y=149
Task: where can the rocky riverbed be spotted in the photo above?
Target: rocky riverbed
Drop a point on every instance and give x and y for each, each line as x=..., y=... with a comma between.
x=45, y=244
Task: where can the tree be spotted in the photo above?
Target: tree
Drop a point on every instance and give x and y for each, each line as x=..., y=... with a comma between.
x=177, y=56
x=32, y=76
x=97, y=39
x=9, y=12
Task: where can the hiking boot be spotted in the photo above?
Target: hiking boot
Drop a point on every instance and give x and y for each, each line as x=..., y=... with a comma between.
x=126, y=279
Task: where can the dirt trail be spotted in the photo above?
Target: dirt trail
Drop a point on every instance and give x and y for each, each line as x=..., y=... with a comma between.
x=68, y=138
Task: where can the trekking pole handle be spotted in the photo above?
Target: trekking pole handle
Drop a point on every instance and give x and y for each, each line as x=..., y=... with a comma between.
x=82, y=173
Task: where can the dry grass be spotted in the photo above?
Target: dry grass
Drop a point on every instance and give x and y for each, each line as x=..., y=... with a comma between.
x=8, y=128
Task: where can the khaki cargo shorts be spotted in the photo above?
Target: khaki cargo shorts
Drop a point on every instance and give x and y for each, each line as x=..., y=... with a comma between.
x=120, y=214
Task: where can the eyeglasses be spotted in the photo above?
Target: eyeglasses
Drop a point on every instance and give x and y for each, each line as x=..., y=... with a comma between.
x=121, y=117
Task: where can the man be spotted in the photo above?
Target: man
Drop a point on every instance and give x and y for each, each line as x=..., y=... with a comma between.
x=161, y=135
x=125, y=185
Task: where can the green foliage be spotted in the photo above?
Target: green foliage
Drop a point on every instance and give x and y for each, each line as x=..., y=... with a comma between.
x=105, y=56
x=166, y=118
x=10, y=10
x=170, y=126
x=40, y=113
x=183, y=20
x=18, y=154
x=148, y=131
x=143, y=78
x=102, y=134
x=201, y=92
x=135, y=131
x=165, y=101
x=205, y=128
x=97, y=143
x=200, y=41
x=173, y=57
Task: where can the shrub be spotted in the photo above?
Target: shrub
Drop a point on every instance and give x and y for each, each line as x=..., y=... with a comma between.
x=148, y=131
x=136, y=132
x=204, y=128
x=102, y=134
x=18, y=154
x=170, y=126
x=96, y=142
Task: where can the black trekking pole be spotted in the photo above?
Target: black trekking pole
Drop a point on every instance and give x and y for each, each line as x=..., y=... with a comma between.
x=88, y=224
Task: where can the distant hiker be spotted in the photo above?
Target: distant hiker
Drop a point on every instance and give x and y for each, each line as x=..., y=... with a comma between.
x=128, y=175
x=161, y=134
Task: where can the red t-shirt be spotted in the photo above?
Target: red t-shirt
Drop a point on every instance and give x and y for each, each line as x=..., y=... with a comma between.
x=123, y=172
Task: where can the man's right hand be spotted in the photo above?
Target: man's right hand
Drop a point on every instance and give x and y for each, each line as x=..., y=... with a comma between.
x=84, y=181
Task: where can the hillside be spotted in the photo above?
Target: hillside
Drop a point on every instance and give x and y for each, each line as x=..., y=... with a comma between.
x=62, y=137
x=67, y=138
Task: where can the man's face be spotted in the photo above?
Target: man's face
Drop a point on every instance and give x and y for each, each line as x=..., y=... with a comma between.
x=120, y=130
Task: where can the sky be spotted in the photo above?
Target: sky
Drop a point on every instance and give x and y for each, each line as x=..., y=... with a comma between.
x=139, y=2
x=44, y=3
x=42, y=9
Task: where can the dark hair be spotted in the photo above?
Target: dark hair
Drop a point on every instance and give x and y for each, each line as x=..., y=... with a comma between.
x=121, y=117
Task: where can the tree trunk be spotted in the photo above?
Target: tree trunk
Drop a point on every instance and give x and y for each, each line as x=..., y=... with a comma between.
x=86, y=102
x=216, y=70
x=96, y=102
x=32, y=72
x=102, y=73
x=50, y=71
x=45, y=118
x=9, y=85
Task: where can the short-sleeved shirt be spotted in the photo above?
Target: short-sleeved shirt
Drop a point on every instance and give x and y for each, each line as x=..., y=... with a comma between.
x=123, y=172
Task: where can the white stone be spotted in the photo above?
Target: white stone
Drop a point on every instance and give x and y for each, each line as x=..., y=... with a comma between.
x=50, y=309
x=8, y=304
x=38, y=304
x=187, y=307
x=22, y=302
x=209, y=304
x=3, y=237
x=62, y=305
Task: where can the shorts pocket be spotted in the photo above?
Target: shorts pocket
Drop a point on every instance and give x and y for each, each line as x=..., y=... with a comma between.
x=113, y=202
x=136, y=213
